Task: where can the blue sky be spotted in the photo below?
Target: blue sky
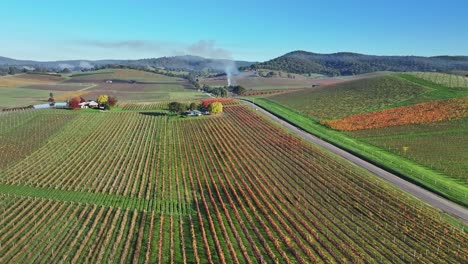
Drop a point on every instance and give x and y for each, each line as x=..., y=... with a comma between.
x=245, y=30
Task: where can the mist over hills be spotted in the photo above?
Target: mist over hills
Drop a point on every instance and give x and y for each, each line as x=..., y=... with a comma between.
x=182, y=63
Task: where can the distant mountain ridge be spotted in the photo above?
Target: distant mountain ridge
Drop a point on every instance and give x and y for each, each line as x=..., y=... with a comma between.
x=184, y=63
x=348, y=63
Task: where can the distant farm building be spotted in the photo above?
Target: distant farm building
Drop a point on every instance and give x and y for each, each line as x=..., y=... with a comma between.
x=89, y=104
x=109, y=81
x=194, y=113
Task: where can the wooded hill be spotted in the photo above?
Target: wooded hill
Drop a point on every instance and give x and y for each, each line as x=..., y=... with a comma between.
x=345, y=63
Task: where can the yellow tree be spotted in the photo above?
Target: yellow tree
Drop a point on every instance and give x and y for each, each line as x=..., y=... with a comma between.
x=102, y=99
x=215, y=108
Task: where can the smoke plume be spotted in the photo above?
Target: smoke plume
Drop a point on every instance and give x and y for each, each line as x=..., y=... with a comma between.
x=29, y=68
x=225, y=62
x=66, y=66
x=85, y=65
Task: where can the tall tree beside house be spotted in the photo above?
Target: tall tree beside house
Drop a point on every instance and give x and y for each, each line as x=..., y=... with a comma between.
x=193, y=106
x=51, y=99
x=215, y=108
x=102, y=99
x=74, y=103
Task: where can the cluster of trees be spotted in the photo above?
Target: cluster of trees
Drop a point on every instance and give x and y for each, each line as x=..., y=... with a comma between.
x=177, y=107
x=237, y=89
x=212, y=107
x=10, y=70
x=216, y=91
x=106, y=101
x=223, y=91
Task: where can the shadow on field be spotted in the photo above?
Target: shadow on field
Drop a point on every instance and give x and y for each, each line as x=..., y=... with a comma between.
x=153, y=113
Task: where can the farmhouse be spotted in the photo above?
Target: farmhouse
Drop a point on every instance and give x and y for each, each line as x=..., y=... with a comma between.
x=89, y=104
x=194, y=113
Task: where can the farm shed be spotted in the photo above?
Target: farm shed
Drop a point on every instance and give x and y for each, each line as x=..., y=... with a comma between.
x=89, y=104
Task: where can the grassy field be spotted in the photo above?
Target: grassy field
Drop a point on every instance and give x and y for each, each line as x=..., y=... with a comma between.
x=352, y=97
x=442, y=145
x=130, y=187
x=366, y=95
x=28, y=79
x=122, y=74
x=12, y=97
x=443, y=184
x=127, y=86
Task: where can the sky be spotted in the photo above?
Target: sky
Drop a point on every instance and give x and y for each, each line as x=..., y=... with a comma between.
x=243, y=30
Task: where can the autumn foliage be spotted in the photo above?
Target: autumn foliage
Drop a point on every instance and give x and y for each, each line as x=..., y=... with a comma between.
x=224, y=101
x=215, y=108
x=112, y=100
x=415, y=114
x=102, y=99
x=74, y=102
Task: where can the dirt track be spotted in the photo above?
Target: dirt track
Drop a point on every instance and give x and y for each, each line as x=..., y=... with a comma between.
x=430, y=198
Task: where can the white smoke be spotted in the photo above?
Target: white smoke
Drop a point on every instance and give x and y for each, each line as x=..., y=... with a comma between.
x=208, y=49
x=85, y=65
x=65, y=66
x=29, y=68
x=230, y=69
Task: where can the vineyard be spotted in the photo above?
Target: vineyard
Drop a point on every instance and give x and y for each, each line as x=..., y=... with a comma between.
x=442, y=146
x=448, y=80
x=162, y=105
x=352, y=97
x=129, y=187
x=415, y=114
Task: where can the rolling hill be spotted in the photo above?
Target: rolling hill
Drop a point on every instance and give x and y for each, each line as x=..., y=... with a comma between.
x=183, y=63
x=346, y=63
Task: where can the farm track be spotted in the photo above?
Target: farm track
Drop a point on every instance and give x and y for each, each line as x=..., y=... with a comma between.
x=434, y=200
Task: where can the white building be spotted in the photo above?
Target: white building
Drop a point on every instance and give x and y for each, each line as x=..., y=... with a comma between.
x=89, y=104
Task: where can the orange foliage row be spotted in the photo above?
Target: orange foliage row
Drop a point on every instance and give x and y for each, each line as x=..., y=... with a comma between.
x=224, y=101
x=415, y=114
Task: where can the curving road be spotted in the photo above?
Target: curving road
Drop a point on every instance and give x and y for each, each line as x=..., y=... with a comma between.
x=436, y=201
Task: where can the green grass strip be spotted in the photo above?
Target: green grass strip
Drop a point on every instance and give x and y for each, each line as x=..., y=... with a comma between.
x=91, y=73
x=432, y=180
x=100, y=199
